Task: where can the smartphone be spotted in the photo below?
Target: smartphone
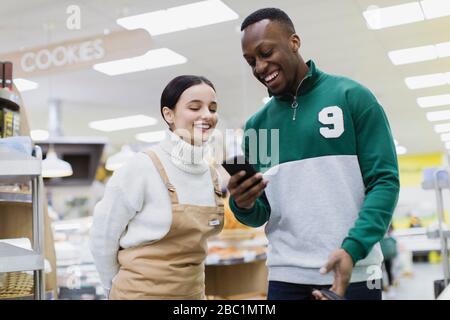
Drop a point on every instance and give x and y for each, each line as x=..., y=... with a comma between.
x=239, y=163
x=330, y=295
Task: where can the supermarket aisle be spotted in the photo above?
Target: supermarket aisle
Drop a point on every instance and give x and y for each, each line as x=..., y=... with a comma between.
x=419, y=286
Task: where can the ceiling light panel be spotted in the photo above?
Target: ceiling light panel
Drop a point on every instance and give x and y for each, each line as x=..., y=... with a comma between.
x=419, y=54
x=153, y=59
x=435, y=8
x=443, y=127
x=438, y=115
x=123, y=123
x=445, y=137
x=151, y=137
x=427, y=81
x=434, y=101
x=379, y=18
x=413, y=55
x=194, y=15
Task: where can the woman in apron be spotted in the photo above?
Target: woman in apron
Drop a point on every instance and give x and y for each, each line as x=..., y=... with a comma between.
x=150, y=230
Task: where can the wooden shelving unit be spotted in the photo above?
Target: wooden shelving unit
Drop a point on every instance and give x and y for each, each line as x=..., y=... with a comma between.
x=13, y=258
x=24, y=214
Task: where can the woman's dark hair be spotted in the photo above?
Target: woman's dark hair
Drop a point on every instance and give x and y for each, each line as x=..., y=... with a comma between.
x=175, y=88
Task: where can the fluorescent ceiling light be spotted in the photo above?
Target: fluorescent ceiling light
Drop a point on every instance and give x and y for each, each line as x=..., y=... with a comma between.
x=39, y=135
x=401, y=150
x=25, y=85
x=435, y=8
x=122, y=123
x=418, y=54
x=179, y=18
x=440, y=128
x=445, y=137
x=434, y=101
x=411, y=55
x=443, y=49
x=151, y=137
x=428, y=80
x=153, y=59
x=438, y=115
x=379, y=18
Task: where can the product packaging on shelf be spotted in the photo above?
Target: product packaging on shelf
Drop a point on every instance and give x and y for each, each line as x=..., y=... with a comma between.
x=9, y=123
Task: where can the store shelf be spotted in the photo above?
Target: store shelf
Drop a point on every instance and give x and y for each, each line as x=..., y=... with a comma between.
x=19, y=171
x=227, y=262
x=14, y=259
x=410, y=232
x=419, y=240
x=9, y=99
x=48, y=296
x=19, y=168
x=435, y=234
x=15, y=197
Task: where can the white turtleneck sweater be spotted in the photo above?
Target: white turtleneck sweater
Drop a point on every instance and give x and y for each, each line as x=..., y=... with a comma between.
x=136, y=207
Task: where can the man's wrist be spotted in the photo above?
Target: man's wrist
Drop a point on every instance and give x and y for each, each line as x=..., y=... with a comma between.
x=233, y=205
x=354, y=249
x=348, y=256
x=243, y=208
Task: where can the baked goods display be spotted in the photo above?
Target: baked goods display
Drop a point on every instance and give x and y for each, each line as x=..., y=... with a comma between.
x=230, y=222
x=237, y=243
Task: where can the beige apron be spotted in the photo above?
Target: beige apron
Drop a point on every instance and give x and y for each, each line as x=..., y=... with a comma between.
x=172, y=267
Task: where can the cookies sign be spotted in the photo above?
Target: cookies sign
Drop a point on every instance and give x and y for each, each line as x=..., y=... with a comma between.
x=78, y=55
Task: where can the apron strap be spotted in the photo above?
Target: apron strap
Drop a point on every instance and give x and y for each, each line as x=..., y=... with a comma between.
x=170, y=187
x=217, y=190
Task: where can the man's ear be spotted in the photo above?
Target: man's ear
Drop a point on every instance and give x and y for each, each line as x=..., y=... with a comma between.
x=168, y=115
x=295, y=42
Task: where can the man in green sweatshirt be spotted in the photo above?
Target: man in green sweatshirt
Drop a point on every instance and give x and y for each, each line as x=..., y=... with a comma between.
x=331, y=183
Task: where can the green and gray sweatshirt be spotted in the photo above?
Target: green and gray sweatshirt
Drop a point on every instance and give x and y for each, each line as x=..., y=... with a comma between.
x=333, y=178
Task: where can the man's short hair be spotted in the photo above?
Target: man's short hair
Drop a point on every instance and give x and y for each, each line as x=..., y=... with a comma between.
x=273, y=14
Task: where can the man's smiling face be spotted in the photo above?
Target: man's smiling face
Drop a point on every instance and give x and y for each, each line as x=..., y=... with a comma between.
x=272, y=54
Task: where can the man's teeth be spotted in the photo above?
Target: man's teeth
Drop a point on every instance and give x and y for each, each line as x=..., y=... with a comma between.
x=271, y=76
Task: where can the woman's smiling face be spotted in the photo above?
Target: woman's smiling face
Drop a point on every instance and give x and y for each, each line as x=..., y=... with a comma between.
x=195, y=114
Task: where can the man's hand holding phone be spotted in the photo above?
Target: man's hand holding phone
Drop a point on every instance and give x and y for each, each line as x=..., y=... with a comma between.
x=245, y=192
x=245, y=184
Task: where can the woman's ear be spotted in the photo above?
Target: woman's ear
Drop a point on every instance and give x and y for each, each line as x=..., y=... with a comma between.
x=168, y=115
x=295, y=42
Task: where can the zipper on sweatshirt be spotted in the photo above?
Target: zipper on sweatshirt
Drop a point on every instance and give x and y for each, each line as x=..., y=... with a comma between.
x=294, y=104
